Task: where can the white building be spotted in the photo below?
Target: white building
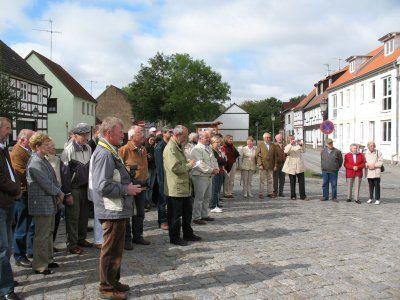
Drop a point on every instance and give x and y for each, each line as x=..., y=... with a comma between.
x=364, y=101
x=298, y=121
x=235, y=121
x=288, y=118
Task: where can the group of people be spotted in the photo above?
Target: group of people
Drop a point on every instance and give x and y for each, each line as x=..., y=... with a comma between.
x=186, y=176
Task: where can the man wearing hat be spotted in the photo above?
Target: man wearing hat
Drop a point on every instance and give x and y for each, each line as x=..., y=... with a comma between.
x=331, y=162
x=76, y=156
x=152, y=131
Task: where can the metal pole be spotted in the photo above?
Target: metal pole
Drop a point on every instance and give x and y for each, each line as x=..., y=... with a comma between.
x=273, y=130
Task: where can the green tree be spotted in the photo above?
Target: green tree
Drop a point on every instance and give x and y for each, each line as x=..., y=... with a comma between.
x=177, y=89
x=261, y=111
x=9, y=98
x=297, y=99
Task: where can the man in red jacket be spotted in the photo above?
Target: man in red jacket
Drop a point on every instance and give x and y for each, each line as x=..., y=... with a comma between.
x=354, y=162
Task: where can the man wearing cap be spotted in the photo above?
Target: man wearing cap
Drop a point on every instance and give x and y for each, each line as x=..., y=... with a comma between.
x=152, y=131
x=76, y=156
x=162, y=199
x=331, y=162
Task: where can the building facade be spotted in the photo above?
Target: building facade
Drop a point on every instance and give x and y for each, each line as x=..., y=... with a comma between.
x=235, y=121
x=364, y=102
x=114, y=102
x=69, y=103
x=32, y=89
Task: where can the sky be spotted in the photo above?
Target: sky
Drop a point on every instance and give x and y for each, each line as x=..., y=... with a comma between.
x=269, y=48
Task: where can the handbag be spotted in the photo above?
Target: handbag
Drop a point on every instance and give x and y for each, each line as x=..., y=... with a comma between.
x=382, y=167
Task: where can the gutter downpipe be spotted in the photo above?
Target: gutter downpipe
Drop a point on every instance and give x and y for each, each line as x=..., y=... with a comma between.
x=397, y=66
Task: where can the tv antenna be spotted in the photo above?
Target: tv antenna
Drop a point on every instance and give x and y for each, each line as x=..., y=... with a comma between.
x=339, y=61
x=91, y=86
x=51, y=31
x=328, y=70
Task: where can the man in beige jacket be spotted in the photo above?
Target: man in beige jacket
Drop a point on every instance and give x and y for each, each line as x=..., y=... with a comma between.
x=205, y=167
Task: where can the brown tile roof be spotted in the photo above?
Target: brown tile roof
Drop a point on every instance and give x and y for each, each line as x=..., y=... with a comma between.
x=306, y=100
x=377, y=61
x=13, y=64
x=317, y=100
x=67, y=80
x=288, y=105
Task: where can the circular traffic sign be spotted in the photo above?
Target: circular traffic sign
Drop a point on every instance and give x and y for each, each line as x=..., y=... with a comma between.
x=327, y=127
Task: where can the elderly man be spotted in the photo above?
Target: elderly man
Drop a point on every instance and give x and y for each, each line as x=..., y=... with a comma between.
x=178, y=188
x=134, y=156
x=10, y=190
x=193, y=140
x=76, y=156
x=267, y=161
x=278, y=175
x=162, y=199
x=24, y=226
x=111, y=190
x=331, y=162
x=206, y=166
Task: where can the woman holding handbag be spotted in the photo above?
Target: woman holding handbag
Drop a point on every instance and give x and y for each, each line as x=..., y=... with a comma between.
x=374, y=166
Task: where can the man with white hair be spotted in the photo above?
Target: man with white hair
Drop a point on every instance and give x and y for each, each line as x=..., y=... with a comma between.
x=206, y=167
x=24, y=227
x=177, y=188
x=267, y=161
x=193, y=140
x=134, y=156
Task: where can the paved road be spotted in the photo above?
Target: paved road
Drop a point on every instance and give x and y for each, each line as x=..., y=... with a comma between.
x=256, y=249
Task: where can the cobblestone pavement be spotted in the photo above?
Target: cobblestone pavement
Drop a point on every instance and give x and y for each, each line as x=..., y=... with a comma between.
x=256, y=249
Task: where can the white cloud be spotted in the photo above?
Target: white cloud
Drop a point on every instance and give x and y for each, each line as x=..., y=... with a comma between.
x=262, y=48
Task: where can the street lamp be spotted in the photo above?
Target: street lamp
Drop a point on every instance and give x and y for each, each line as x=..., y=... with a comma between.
x=273, y=126
x=256, y=124
x=324, y=113
x=35, y=115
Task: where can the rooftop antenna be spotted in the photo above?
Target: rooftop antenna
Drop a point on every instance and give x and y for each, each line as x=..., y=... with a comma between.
x=339, y=61
x=91, y=86
x=328, y=70
x=51, y=31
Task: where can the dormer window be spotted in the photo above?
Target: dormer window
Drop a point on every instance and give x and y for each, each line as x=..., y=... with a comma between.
x=389, y=47
x=352, y=66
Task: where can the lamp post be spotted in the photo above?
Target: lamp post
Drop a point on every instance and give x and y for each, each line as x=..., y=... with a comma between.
x=66, y=128
x=256, y=124
x=273, y=126
x=324, y=113
x=35, y=115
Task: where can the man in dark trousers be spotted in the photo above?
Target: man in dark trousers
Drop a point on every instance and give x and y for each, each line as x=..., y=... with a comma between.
x=10, y=190
x=279, y=175
x=331, y=162
x=162, y=200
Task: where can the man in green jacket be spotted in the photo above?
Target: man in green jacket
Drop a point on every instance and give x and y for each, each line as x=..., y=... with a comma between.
x=177, y=188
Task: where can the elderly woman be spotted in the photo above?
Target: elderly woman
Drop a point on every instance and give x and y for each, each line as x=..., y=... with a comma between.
x=44, y=194
x=229, y=150
x=294, y=166
x=374, y=163
x=218, y=178
x=248, y=164
x=354, y=162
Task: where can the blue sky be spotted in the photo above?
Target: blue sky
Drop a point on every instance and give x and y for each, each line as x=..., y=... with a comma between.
x=261, y=48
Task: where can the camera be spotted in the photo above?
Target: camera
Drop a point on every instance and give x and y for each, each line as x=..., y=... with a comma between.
x=132, y=175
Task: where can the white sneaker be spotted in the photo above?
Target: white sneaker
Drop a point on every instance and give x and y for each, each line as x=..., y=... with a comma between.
x=216, y=210
x=250, y=195
x=377, y=202
x=369, y=201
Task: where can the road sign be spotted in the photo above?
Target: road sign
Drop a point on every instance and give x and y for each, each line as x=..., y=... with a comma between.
x=327, y=127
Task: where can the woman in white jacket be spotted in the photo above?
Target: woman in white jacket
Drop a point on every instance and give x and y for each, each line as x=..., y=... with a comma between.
x=374, y=162
x=294, y=166
x=248, y=166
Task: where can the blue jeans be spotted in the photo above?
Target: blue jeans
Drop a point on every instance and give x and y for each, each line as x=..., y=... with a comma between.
x=24, y=229
x=217, y=182
x=329, y=178
x=6, y=238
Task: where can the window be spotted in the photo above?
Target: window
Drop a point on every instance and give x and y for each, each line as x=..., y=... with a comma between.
x=87, y=109
x=372, y=130
x=341, y=99
x=40, y=95
x=348, y=131
x=389, y=47
x=348, y=97
x=52, y=105
x=387, y=94
x=361, y=132
x=24, y=90
x=83, y=108
x=352, y=66
x=288, y=119
x=334, y=134
x=92, y=110
x=334, y=106
x=362, y=93
x=373, y=90
x=386, y=131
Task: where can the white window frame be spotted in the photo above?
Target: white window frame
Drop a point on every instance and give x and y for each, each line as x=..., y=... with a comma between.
x=334, y=106
x=83, y=108
x=387, y=131
x=389, y=47
x=352, y=66
x=387, y=93
x=362, y=132
x=341, y=99
x=373, y=90
x=348, y=97
x=362, y=93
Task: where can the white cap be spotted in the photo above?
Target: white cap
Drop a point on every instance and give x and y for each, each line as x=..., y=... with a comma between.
x=152, y=129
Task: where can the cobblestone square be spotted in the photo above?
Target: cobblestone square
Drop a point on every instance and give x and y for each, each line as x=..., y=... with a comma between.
x=255, y=249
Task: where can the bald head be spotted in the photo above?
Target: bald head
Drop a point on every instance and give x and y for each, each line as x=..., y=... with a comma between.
x=204, y=138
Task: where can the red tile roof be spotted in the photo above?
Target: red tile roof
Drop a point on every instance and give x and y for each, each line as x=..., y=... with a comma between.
x=317, y=100
x=377, y=61
x=306, y=100
x=67, y=80
x=288, y=105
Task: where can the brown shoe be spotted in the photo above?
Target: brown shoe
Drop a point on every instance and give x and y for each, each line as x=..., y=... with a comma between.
x=164, y=226
x=122, y=287
x=113, y=294
x=261, y=196
x=199, y=222
x=142, y=241
x=97, y=246
x=272, y=195
x=85, y=244
x=76, y=250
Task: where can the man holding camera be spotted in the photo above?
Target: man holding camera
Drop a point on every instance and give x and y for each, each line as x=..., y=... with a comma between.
x=111, y=190
x=134, y=155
